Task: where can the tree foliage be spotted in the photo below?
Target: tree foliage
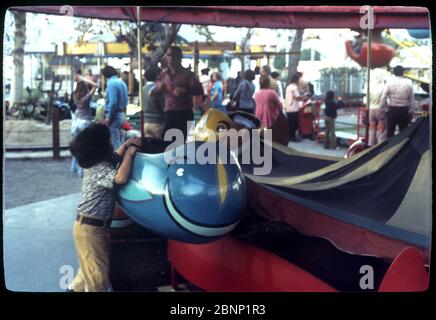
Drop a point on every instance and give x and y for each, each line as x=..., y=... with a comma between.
x=306, y=55
x=205, y=32
x=158, y=37
x=279, y=61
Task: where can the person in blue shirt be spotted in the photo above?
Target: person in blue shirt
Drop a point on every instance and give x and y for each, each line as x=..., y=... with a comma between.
x=216, y=94
x=244, y=93
x=116, y=103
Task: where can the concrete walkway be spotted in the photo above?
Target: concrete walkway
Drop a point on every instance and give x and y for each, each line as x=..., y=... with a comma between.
x=40, y=255
x=37, y=242
x=35, y=154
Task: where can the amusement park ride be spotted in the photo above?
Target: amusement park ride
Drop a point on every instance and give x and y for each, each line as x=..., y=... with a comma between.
x=381, y=56
x=372, y=207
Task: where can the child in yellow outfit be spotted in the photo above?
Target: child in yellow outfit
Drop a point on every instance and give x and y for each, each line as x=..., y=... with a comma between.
x=94, y=152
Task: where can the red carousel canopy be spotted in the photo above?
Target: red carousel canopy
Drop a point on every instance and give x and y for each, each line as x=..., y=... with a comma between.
x=293, y=17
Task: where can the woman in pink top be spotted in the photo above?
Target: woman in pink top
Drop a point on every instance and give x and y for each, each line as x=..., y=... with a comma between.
x=268, y=105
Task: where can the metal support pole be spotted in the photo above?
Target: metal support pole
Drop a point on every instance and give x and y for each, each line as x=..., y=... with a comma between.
x=196, y=58
x=55, y=128
x=368, y=67
x=139, y=45
x=243, y=59
x=130, y=80
x=103, y=83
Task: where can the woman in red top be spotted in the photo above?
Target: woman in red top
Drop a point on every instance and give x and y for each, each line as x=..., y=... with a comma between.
x=268, y=105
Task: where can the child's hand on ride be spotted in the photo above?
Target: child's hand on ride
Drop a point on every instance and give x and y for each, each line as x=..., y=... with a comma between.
x=137, y=142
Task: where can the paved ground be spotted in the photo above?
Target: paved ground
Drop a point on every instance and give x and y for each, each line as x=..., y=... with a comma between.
x=40, y=197
x=37, y=242
x=38, y=249
x=31, y=180
x=311, y=146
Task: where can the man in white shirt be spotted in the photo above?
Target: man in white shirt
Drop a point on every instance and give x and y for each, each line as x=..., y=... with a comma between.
x=256, y=79
x=205, y=83
x=399, y=92
x=293, y=103
x=205, y=80
x=377, y=132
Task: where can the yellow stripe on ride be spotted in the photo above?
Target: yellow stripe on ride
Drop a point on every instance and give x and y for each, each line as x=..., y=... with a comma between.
x=222, y=181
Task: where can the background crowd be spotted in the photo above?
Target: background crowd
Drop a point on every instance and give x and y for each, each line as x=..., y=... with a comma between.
x=172, y=92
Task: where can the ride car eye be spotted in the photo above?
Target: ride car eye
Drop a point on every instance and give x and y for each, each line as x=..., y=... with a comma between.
x=180, y=172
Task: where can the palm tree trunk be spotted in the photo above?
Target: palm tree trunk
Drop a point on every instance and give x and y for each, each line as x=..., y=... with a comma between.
x=294, y=58
x=18, y=57
x=244, y=49
x=170, y=36
x=151, y=60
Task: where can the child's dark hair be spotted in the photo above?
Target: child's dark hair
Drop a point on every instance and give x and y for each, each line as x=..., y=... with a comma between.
x=151, y=74
x=295, y=77
x=109, y=72
x=398, y=71
x=329, y=95
x=275, y=75
x=92, y=146
x=249, y=75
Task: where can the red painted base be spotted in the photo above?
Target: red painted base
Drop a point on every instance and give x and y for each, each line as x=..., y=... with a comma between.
x=232, y=265
x=229, y=264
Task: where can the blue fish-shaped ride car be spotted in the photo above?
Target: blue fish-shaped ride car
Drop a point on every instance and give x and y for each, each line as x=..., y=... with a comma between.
x=175, y=196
